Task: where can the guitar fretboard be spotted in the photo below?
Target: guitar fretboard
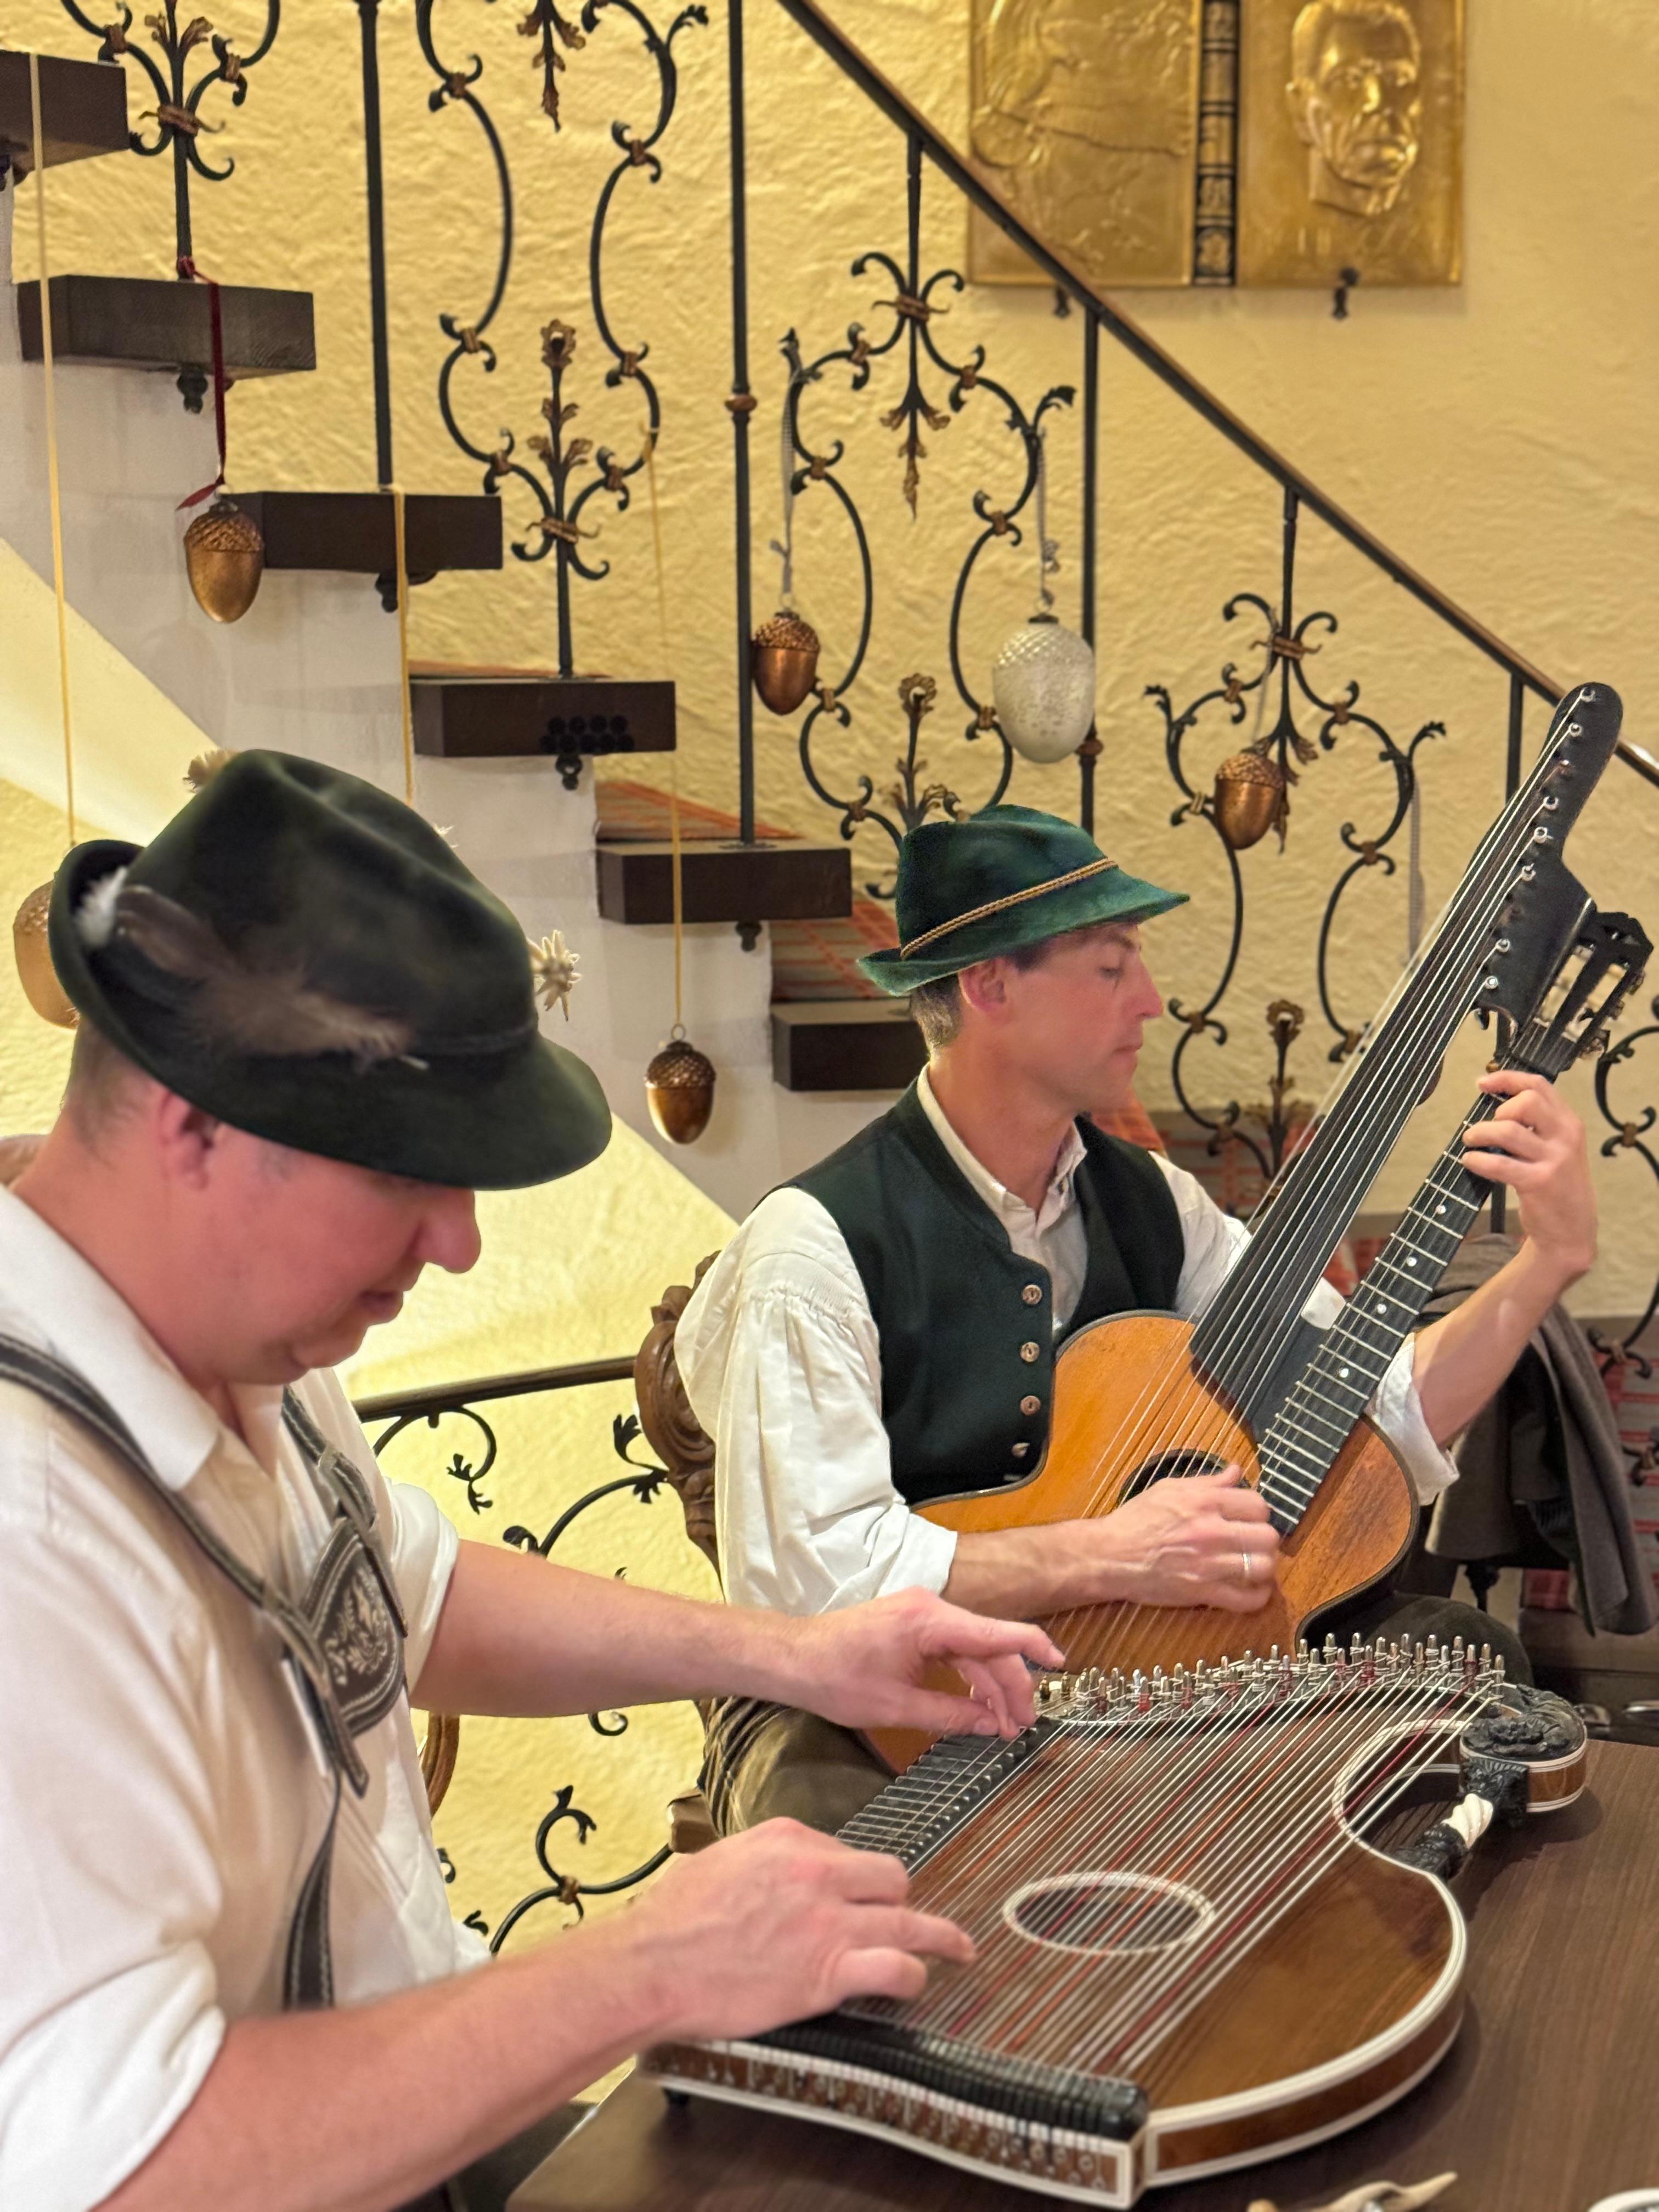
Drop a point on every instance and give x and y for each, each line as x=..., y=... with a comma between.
x=1302, y=1441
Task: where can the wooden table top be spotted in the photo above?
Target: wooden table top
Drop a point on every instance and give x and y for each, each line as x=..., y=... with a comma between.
x=1548, y=2101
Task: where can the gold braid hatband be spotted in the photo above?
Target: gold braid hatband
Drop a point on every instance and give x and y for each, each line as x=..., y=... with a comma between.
x=997, y=906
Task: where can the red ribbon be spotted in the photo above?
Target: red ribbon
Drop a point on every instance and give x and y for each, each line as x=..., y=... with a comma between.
x=188, y=270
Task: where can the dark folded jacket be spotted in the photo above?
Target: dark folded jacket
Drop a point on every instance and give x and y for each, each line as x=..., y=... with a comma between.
x=1545, y=1459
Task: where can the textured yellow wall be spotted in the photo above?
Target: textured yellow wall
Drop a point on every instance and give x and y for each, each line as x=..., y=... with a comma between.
x=1499, y=436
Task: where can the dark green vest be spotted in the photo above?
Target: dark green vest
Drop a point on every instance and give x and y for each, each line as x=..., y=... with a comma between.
x=966, y=1325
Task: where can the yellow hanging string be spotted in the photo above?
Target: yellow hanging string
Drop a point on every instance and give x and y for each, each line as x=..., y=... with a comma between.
x=674, y=757
x=52, y=441
x=402, y=640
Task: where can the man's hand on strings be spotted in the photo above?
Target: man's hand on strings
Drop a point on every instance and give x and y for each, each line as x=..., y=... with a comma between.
x=882, y=1665
x=779, y=1924
x=1191, y=1540
x=1534, y=1144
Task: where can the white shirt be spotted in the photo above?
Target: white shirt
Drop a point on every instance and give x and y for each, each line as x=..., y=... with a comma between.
x=160, y=1801
x=782, y=1362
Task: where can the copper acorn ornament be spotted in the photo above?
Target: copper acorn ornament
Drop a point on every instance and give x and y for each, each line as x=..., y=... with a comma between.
x=1249, y=799
x=34, y=970
x=784, y=659
x=679, y=1088
x=224, y=559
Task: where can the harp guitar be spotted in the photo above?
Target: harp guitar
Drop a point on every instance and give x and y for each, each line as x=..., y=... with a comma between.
x=1145, y=1397
x=1189, y=1955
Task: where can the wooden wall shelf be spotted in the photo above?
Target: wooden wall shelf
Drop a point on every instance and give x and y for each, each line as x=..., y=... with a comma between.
x=83, y=110
x=162, y=323
x=788, y=881
x=845, y=1044
x=492, y=714
x=357, y=531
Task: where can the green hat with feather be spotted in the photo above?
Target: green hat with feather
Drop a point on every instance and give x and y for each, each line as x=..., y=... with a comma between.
x=996, y=882
x=301, y=956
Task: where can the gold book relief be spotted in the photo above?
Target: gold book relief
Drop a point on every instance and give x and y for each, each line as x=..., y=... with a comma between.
x=1351, y=141
x=1084, y=119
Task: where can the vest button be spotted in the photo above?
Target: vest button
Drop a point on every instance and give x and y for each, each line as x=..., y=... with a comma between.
x=1027, y=1352
x=1032, y=1294
x=1030, y=1405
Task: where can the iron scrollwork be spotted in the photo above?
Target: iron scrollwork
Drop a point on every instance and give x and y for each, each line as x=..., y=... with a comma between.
x=916, y=306
x=177, y=114
x=565, y=459
x=1287, y=643
x=645, y=1480
x=1631, y=1134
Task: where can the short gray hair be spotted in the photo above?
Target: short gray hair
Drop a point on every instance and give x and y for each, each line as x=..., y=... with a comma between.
x=101, y=1082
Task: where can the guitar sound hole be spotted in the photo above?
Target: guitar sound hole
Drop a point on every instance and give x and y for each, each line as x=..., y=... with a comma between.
x=1172, y=1465
x=1115, y=1914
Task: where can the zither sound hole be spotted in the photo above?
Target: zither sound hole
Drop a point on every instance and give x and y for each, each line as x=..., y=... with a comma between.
x=1118, y=1915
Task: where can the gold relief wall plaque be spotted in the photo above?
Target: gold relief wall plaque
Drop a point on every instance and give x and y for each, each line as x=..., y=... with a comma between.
x=1350, y=141
x=1084, y=119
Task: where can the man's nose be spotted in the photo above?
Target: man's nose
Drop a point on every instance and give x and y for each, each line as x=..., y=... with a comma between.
x=449, y=1231
x=1371, y=99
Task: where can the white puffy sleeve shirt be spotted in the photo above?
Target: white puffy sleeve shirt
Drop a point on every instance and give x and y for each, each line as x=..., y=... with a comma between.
x=160, y=1799
x=781, y=1361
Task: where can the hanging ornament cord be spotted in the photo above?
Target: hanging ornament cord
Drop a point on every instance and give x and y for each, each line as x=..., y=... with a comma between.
x=1415, y=896
x=679, y=1030
x=1048, y=548
x=401, y=551
x=188, y=270
x=55, y=497
x=785, y=546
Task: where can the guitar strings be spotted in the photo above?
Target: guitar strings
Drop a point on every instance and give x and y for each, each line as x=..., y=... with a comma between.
x=1193, y=1398
x=1411, y=1048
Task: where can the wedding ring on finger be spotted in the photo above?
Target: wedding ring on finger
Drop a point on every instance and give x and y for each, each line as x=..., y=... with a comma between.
x=1249, y=1570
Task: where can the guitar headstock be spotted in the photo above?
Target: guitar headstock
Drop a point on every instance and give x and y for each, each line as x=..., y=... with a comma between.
x=1583, y=731
x=1604, y=965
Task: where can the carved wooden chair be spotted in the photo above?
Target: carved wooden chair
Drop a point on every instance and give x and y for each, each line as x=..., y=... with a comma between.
x=686, y=1453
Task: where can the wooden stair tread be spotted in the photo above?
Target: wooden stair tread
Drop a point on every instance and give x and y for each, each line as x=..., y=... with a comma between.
x=83, y=110
x=161, y=323
x=355, y=532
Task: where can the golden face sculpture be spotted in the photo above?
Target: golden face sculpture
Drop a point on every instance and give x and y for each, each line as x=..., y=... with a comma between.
x=1355, y=97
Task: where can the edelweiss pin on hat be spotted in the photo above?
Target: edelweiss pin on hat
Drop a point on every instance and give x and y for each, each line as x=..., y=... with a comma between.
x=303, y=956
x=994, y=883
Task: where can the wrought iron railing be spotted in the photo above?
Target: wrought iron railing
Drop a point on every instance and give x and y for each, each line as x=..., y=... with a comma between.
x=189, y=60
x=574, y=470
x=471, y=1467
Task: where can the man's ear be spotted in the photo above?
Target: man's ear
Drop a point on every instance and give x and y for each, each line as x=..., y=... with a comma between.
x=1298, y=94
x=187, y=1140
x=985, y=986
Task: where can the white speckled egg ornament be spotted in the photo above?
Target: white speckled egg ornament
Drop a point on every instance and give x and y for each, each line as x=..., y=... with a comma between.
x=1043, y=683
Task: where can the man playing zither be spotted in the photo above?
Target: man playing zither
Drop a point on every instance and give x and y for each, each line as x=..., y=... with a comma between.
x=230, y=1975
x=882, y=1331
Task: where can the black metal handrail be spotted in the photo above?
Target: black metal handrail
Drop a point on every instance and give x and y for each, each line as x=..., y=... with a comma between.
x=446, y=1397
x=886, y=95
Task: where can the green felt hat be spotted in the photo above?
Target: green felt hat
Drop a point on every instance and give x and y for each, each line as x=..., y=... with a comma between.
x=306, y=958
x=995, y=882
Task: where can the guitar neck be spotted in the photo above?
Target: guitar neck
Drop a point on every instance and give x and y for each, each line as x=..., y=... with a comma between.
x=1300, y=1444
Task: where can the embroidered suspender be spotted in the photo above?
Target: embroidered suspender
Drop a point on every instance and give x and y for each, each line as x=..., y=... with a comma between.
x=342, y=1644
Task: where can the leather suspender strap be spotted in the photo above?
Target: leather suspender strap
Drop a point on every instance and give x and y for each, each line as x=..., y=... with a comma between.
x=343, y=1645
